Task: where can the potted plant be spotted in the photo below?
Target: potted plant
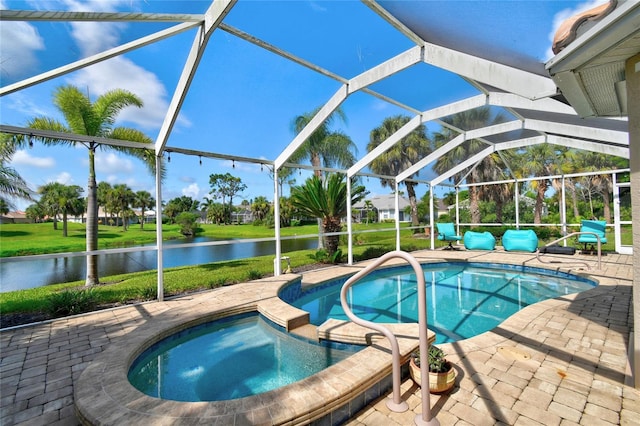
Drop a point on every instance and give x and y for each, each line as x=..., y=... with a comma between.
x=442, y=375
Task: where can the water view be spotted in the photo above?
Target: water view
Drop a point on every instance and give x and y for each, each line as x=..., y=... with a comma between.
x=36, y=273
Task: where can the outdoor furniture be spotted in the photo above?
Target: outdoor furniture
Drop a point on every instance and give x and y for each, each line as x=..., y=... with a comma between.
x=596, y=226
x=479, y=240
x=520, y=240
x=446, y=232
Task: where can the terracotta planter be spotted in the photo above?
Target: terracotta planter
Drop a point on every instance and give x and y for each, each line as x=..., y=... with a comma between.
x=438, y=382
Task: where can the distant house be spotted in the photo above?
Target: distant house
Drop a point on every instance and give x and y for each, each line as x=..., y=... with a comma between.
x=15, y=217
x=385, y=205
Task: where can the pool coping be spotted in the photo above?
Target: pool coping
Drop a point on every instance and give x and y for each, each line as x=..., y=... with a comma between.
x=103, y=394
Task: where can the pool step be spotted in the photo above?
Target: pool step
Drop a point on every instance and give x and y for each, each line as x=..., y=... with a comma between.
x=308, y=331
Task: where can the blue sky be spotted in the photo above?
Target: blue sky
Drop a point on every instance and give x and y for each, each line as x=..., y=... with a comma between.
x=243, y=98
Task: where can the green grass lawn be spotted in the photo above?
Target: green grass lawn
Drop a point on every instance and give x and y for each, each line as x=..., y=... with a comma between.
x=23, y=239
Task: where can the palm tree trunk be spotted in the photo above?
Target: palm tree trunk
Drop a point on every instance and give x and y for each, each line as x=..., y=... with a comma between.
x=315, y=162
x=64, y=223
x=92, y=221
x=574, y=200
x=606, y=200
x=474, y=205
x=537, y=212
x=411, y=191
x=142, y=217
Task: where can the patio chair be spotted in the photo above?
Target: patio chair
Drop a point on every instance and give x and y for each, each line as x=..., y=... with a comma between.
x=597, y=226
x=446, y=232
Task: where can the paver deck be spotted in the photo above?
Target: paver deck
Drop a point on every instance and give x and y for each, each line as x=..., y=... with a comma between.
x=562, y=361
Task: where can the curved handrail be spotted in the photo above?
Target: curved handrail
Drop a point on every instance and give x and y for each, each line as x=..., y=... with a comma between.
x=397, y=404
x=573, y=234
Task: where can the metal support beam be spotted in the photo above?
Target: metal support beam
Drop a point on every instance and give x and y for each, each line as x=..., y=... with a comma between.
x=513, y=80
x=82, y=63
x=213, y=17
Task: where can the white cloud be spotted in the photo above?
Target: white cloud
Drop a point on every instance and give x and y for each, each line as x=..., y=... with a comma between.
x=121, y=73
x=20, y=42
x=113, y=164
x=64, y=178
x=565, y=14
x=23, y=158
x=192, y=191
x=31, y=107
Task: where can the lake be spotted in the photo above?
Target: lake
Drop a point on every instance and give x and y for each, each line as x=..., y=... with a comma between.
x=36, y=273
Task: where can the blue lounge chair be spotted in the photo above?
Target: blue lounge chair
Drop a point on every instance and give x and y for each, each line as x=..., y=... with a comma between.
x=596, y=226
x=479, y=240
x=520, y=240
x=446, y=232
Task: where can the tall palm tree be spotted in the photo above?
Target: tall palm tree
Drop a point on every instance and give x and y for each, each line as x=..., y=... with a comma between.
x=144, y=201
x=324, y=147
x=326, y=201
x=467, y=120
x=538, y=161
x=408, y=151
x=93, y=119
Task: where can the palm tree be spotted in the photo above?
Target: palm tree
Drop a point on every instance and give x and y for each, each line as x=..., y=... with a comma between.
x=11, y=183
x=467, y=120
x=144, y=201
x=93, y=119
x=408, y=151
x=324, y=147
x=592, y=161
x=122, y=196
x=541, y=160
x=368, y=207
x=326, y=201
x=260, y=207
x=102, y=198
x=61, y=199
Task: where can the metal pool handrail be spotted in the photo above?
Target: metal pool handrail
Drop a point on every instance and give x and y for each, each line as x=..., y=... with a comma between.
x=572, y=235
x=396, y=404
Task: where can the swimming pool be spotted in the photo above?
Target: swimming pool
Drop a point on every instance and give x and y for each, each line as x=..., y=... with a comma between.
x=463, y=299
x=230, y=358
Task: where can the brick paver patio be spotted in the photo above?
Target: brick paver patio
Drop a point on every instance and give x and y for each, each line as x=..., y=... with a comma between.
x=559, y=362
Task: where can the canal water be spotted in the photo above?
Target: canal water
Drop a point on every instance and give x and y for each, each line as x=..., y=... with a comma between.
x=36, y=273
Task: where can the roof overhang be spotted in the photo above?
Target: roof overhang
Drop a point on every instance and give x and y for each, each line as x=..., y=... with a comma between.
x=590, y=72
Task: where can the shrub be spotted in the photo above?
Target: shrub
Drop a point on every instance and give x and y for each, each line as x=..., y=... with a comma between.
x=372, y=253
x=254, y=275
x=149, y=293
x=71, y=302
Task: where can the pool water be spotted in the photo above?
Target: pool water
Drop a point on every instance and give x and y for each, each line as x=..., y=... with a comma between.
x=227, y=359
x=463, y=299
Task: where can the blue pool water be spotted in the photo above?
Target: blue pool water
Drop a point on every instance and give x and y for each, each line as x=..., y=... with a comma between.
x=463, y=299
x=230, y=358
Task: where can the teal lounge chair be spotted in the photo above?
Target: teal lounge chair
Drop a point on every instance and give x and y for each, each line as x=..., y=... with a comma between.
x=446, y=232
x=596, y=226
